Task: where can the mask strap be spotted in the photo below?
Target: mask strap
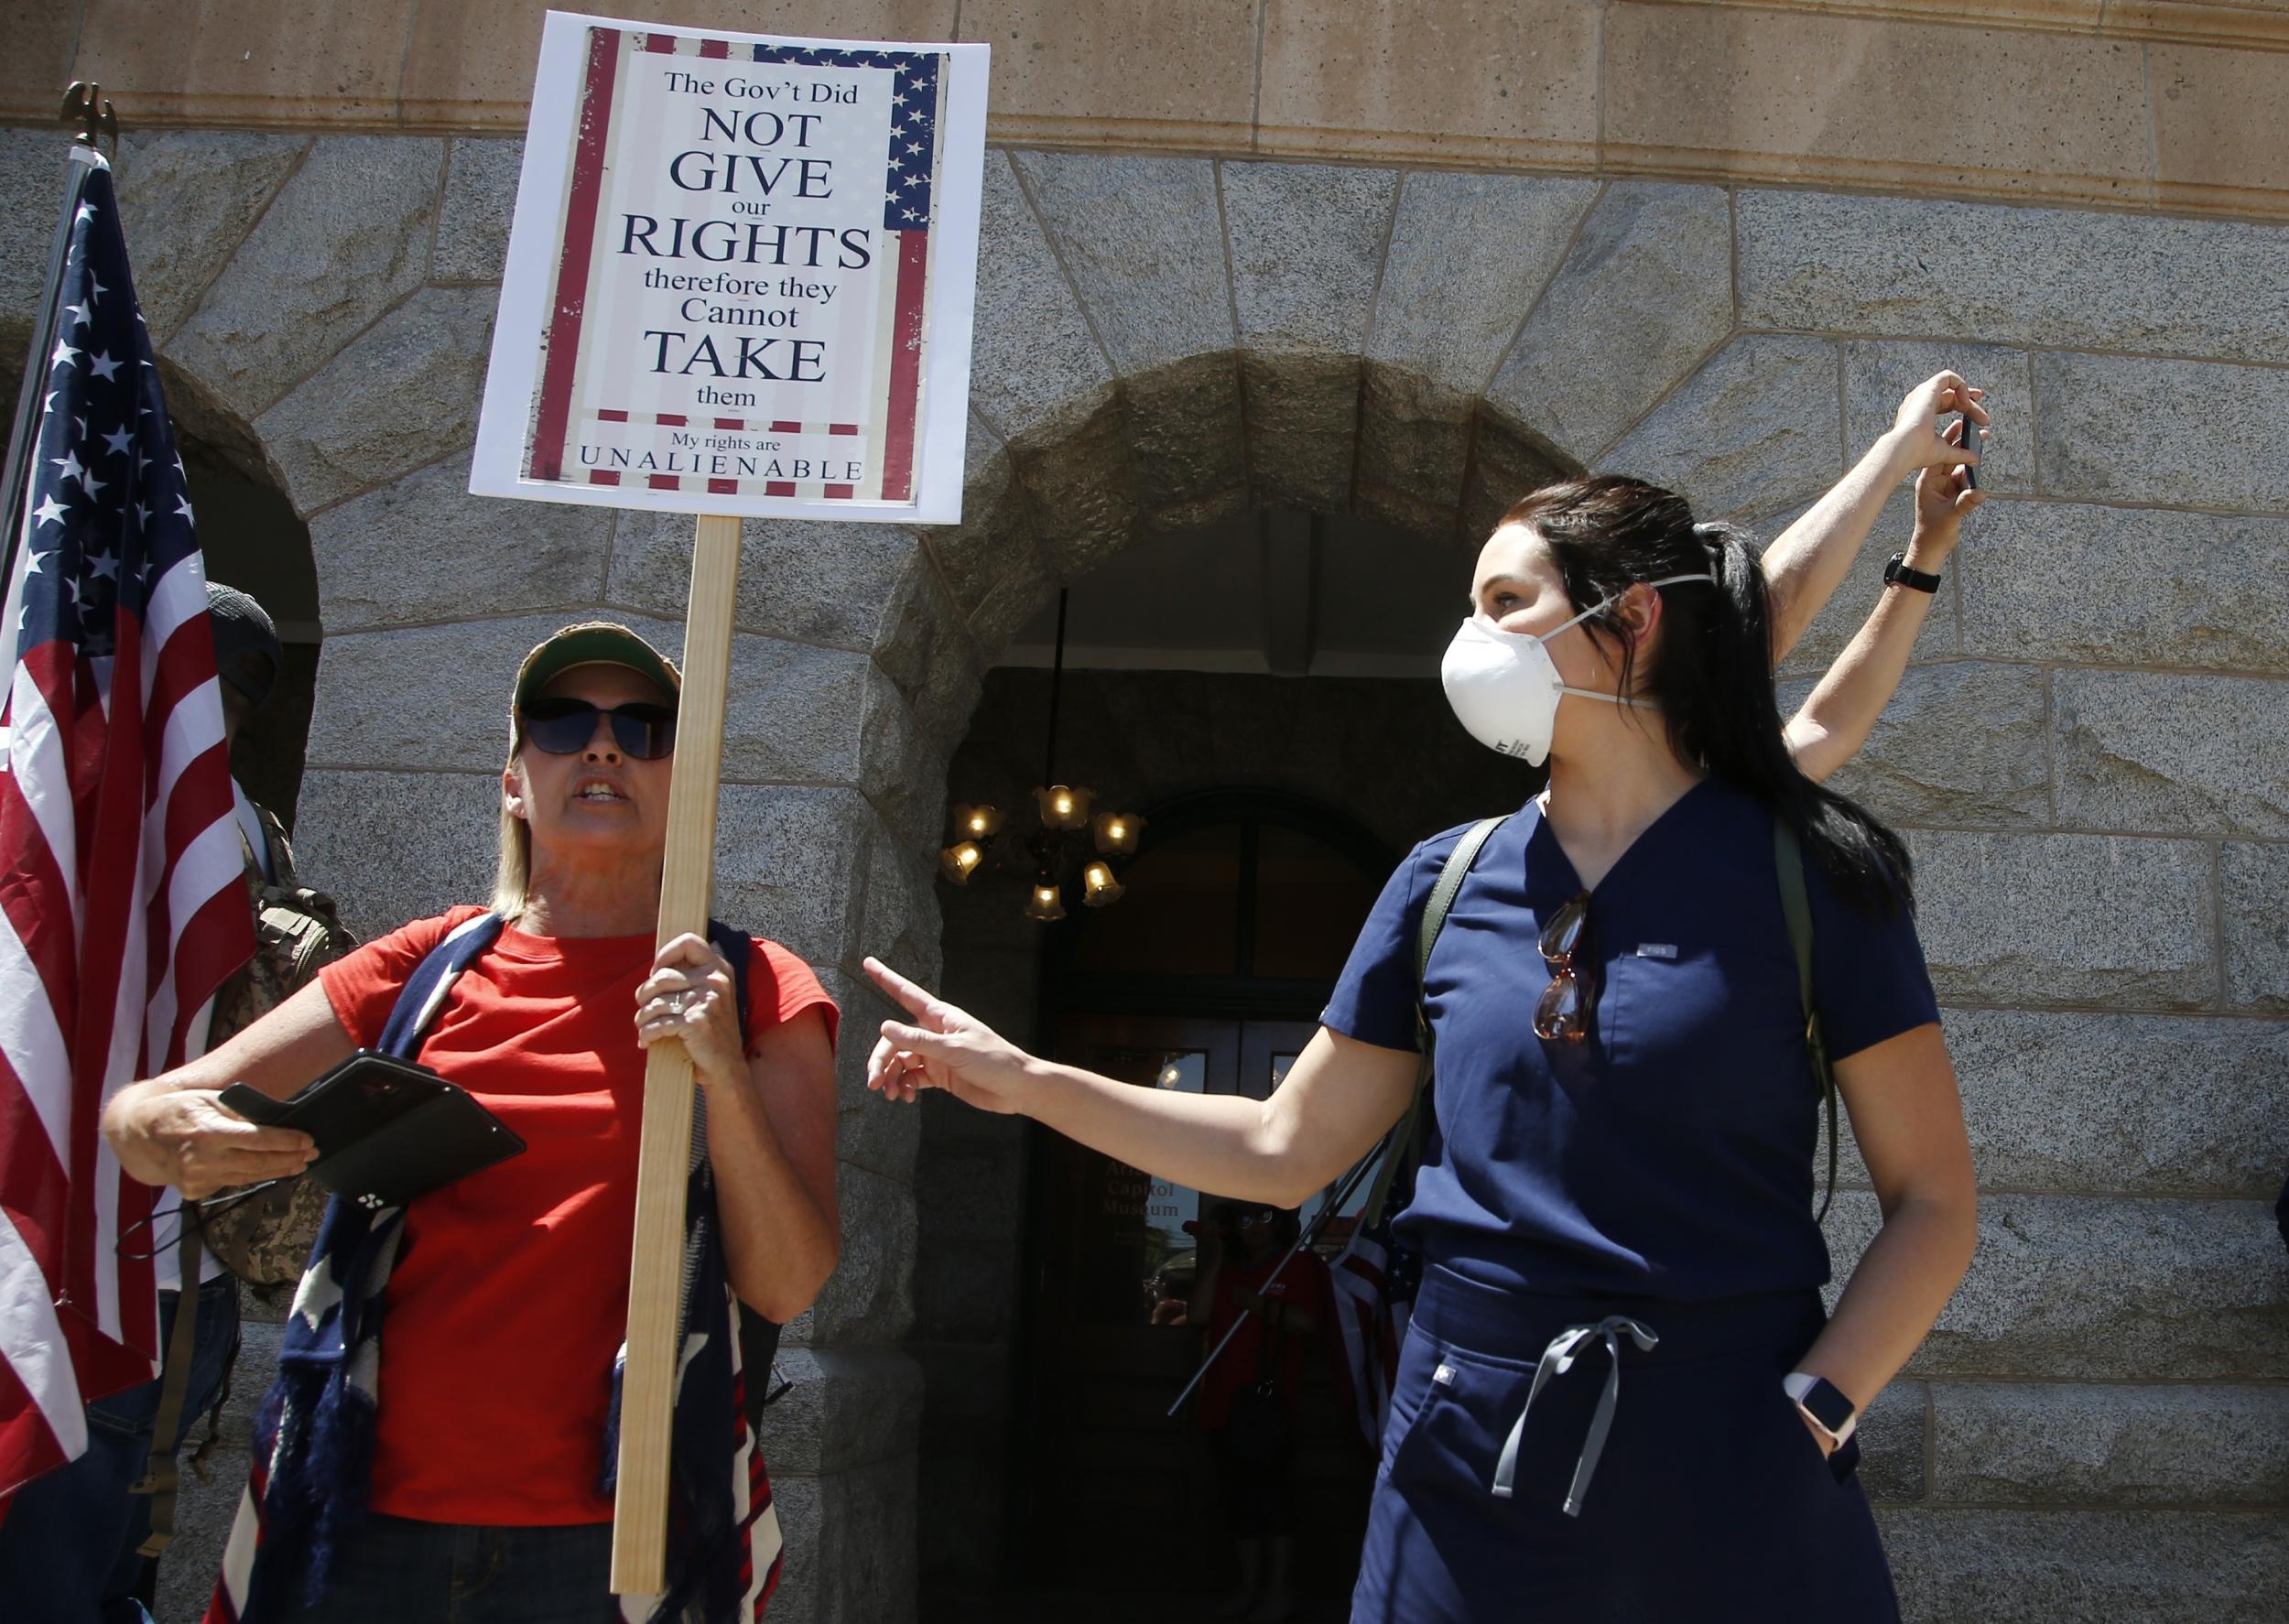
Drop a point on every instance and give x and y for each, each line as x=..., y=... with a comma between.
x=1666, y=581
x=1590, y=693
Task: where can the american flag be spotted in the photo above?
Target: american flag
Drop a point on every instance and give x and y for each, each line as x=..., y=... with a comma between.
x=1375, y=1280
x=122, y=905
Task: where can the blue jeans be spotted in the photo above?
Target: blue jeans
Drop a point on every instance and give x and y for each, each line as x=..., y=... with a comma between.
x=68, y=1547
x=398, y=1570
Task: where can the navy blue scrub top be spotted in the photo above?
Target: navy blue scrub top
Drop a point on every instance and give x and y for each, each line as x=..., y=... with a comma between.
x=1670, y=1154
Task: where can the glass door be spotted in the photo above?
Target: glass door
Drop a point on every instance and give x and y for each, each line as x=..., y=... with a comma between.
x=1119, y=1497
x=1114, y=1483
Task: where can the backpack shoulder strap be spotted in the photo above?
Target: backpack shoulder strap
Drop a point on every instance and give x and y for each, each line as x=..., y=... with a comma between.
x=1435, y=911
x=278, y=850
x=738, y=949
x=758, y=1338
x=1796, y=906
x=424, y=993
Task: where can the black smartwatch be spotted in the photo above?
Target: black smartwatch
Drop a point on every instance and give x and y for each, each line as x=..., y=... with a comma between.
x=1824, y=1401
x=1897, y=573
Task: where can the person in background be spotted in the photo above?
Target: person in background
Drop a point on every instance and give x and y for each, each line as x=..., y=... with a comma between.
x=82, y=1543
x=1250, y=1399
x=263, y=1237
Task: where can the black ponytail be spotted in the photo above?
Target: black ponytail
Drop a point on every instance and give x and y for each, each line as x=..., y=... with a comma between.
x=1713, y=682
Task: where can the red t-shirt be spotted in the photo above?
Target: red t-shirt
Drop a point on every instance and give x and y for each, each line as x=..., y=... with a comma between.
x=509, y=1297
x=1304, y=1283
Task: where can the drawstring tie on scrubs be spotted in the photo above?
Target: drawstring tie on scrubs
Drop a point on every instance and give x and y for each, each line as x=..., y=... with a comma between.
x=1558, y=1359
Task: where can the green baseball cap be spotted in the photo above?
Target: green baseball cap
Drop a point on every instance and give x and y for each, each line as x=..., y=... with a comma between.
x=592, y=643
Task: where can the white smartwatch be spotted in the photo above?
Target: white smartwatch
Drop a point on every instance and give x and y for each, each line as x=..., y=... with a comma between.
x=1824, y=1401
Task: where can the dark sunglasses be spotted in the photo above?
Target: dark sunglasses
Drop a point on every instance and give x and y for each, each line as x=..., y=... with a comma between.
x=1563, y=1015
x=645, y=732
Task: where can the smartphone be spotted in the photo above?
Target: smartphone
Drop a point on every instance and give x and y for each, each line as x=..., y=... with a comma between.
x=387, y=1130
x=1971, y=443
x=347, y=1103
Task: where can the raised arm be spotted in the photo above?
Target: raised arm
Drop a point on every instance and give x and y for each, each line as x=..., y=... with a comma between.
x=1836, y=717
x=1807, y=561
x=1339, y=1099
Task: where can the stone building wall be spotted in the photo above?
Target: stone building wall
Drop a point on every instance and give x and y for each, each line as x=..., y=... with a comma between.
x=2090, y=753
x=2117, y=104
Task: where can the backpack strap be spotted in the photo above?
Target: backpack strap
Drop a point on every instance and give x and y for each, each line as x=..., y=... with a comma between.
x=161, y=1475
x=1796, y=906
x=758, y=1336
x=1434, y=911
x=278, y=850
x=737, y=948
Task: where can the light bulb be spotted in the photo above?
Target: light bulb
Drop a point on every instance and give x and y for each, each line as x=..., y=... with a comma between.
x=960, y=860
x=1047, y=904
x=979, y=822
x=1101, y=889
x=1064, y=805
x=1116, y=832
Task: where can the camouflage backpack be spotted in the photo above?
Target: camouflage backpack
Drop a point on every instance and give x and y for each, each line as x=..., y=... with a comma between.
x=265, y=1238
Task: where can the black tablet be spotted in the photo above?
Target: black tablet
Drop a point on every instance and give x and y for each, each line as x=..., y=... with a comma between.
x=387, y=1130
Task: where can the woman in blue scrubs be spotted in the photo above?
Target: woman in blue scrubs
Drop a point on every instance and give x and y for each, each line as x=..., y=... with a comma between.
x=1620, y=1398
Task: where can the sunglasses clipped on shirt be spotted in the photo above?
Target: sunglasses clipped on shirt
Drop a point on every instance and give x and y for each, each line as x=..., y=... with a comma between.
x=1562, y=1013
x=644, y=732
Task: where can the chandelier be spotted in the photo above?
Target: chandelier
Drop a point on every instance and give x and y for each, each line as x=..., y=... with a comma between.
x=1049, y=852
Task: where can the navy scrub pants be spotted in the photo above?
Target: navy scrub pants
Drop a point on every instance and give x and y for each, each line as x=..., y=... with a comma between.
x=1709, y=1499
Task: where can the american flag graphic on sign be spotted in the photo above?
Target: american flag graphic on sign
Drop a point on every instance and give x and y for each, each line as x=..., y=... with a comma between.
x=782, y=312
x=122, y=905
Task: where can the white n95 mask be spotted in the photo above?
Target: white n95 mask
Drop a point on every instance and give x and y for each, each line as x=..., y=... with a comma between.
x=1504, y=687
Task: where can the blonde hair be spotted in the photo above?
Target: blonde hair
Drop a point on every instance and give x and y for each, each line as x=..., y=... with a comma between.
x=513, y=876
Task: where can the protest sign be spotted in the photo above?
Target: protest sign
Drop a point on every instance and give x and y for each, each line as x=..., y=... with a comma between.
x=740, y=277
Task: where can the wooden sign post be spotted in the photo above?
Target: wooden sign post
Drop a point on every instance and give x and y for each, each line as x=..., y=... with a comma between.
x=739, y=285
x=647, y=1381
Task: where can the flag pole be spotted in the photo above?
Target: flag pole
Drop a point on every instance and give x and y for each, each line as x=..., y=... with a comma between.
x=647, y=1381
x=1334, y=1205
x=80, y=107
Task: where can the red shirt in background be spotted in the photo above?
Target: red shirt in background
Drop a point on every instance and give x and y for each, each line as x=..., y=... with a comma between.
x=1304, y=1283
x=509, y=1297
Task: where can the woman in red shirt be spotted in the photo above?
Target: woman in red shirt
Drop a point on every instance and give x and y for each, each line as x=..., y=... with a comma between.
x=507, y=1299
x=1251, y=1397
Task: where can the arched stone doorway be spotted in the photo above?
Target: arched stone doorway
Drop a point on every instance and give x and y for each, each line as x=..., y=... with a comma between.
x=1379, y=748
